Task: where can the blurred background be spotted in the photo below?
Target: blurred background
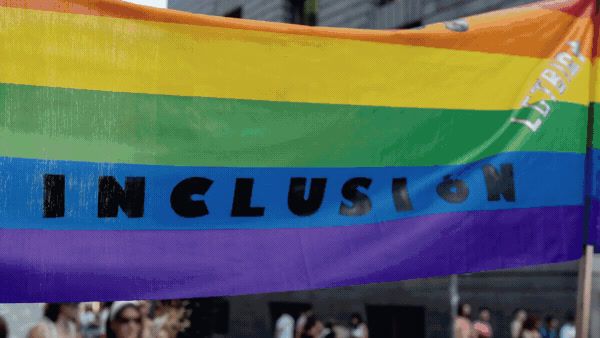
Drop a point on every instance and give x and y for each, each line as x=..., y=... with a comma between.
x=415, y=308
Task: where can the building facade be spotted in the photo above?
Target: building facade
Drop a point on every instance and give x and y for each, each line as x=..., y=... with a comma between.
x=374, y=14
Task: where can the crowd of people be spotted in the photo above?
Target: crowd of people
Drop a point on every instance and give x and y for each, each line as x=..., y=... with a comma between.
x=308, y=325
x=124, y=319
x=523, y=325
x=166, y=319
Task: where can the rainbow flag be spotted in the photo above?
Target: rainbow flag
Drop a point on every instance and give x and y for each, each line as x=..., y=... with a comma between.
x=150, y=153
x=593, y=158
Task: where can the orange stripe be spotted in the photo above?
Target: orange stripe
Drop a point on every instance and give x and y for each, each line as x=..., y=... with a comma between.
x=526, y=31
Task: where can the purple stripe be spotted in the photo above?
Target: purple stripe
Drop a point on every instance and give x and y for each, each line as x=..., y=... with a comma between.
x=43, y=265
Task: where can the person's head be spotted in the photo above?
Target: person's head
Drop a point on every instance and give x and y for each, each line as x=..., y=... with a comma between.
x=3, y=328
x=464, y=310
x=88, y=308
x=570, y=317
x=520, y=315
x=550, y=322
x=310, y=323
x=66, y=311
x=125, y=320
x=356, y=319
x=484, y=314
x=531, y=323
x=144, y=306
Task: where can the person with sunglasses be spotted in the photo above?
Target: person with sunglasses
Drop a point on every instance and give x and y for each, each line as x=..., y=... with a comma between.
x=125, y=320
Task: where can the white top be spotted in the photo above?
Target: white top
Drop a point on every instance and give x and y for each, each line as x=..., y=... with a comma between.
x=567, y=331
x=53, y=330
x=87, y=318
x=359, y=332
x=301, y=322
x=103, y=319
x=515, y=328
x=284, y=327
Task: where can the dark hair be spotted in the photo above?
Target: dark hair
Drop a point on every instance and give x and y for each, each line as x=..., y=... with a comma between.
x=311, y=321
x=570, y=317
x=530, y=323
x=484, y=308
x=548, y=319
x=109, y=331
x=357, y=316
x=329, y=325
x=3, y=328
x=461, y=311
x=52, y=310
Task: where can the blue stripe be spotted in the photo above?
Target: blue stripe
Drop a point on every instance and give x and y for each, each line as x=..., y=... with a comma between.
x=541, y=179
x=594, y=189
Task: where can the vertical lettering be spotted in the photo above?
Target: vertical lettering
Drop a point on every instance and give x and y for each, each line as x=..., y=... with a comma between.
x=54, y=196
x=242, y=200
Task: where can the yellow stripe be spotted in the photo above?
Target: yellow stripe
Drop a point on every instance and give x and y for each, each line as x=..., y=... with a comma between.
x=594, y=85
x=101, y=53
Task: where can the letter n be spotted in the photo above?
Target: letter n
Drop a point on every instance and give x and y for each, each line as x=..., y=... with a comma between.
x=111, y=197
x=502, y=183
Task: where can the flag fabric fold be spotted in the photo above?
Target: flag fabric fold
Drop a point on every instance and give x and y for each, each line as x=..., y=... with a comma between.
x=150, y=153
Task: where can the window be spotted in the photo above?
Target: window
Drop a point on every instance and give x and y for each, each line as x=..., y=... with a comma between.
x=209, y=316
x=303, y=12
x=384, y=2
x=296, y=11
x=396, y=321
x=236, y=13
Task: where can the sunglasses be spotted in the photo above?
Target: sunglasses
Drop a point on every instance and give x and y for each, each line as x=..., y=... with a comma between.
x=129, y=320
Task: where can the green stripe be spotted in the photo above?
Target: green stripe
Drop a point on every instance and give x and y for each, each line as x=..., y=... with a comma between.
x=68, y=124
x=596, y=130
